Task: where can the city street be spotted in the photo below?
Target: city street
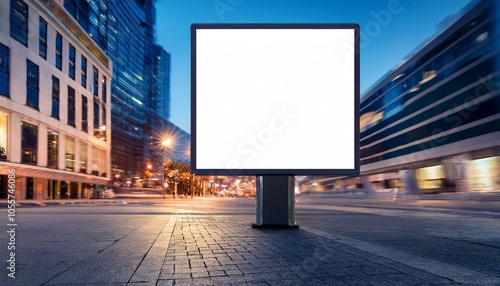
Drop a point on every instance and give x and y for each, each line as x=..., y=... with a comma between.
x=232, y=142
x=209, y=241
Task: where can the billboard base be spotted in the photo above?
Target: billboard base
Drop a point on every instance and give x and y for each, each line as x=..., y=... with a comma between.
x=275, y=200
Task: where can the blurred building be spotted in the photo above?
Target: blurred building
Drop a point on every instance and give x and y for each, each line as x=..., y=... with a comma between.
x=157, y=153
x=157, y=127
x=162, y=97
x=433, y=123
x=54, y=104
x=125, y=30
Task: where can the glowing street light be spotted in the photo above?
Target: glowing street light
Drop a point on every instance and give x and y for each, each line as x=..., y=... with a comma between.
x=165, y=143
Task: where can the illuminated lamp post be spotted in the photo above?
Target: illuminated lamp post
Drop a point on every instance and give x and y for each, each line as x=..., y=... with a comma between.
x=166, y=144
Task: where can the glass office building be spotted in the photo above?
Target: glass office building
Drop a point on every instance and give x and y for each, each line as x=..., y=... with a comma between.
x=125, y=30
x=433, y=123
x=162, y=95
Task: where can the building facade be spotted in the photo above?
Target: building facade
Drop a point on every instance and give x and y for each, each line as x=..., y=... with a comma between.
x=433, y=123
x=162, y=62
x=140, y=88
x=55, y=108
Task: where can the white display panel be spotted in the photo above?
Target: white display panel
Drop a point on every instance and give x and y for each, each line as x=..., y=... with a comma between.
x=275, y=99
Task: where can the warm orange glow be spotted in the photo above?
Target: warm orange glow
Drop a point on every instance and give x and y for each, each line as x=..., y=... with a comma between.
x=370, y=119
x=167, y=142
x=428, y=75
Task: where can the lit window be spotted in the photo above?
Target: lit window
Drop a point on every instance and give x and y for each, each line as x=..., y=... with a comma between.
x=52, y=149
x=29, y=143
x=428, y=75
x=3, y=137
x=70, y=154
x=370, y=119
x=83, y=157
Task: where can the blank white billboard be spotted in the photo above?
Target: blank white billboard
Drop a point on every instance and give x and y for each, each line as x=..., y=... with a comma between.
x=278, y=99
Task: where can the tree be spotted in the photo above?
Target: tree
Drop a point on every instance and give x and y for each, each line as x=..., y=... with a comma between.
x=177, y=172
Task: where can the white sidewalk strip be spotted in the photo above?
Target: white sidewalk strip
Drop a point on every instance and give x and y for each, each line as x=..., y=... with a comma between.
x=154, y=258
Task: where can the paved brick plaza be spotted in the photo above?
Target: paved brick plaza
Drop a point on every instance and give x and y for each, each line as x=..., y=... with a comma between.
x=210, y=241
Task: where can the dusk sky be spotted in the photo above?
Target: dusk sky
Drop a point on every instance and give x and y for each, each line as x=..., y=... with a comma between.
x=390, y=31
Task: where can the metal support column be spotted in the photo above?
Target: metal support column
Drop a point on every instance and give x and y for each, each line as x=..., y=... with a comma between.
x=275, y=199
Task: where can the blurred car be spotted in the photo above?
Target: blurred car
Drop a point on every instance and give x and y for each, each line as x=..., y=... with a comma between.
x=108, y=194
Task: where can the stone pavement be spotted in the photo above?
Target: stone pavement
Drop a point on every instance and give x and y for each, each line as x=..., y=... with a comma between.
x=224, y=250
x=160, y=246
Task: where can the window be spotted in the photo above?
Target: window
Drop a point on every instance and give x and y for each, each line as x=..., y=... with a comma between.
x=96, y=21
x=83, y=157
x=29, y=143
x=71, y=63
x=96, y=82
x=19, y=21
x=59, y=51
x=84, y=72
x=85, y=125
x=95, y=161
x=42, y=38
x=32, y=84
x=103, y=127
x=71, y=6
x=52, y=144
x=96, y=114
x=104, y=87
x=103, y=115
x=3, y=137
x=370, y=119
x=71, y=106
x=70, y=154
x=55, y=97
x=83, y=11
x=4, y=70
x=104, y=163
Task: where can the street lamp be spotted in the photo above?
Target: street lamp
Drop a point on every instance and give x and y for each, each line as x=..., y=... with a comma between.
x=165, y=143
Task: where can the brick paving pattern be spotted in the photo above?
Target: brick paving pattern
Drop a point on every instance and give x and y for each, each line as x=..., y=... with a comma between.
x=224, y=250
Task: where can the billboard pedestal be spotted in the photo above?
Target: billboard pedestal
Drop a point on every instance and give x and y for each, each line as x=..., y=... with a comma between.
x=275, y=199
